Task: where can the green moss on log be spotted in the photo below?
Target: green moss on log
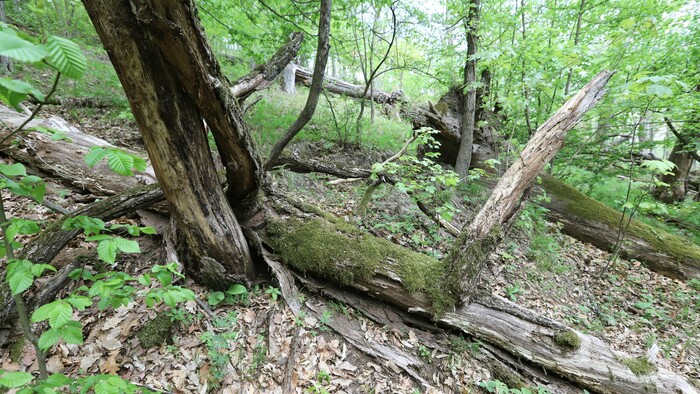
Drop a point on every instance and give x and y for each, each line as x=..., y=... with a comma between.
x=587, y=208
x=340, y=252
x=639, y=365
x=16, y=349
x=567, y=340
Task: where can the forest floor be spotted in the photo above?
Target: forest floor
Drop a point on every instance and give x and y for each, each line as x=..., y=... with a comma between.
x=255, y=343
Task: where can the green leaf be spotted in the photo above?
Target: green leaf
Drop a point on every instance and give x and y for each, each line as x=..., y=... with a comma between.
x=19, y=49
x=58, y=313
x=73, y=332
x=126, y=245
x=12, y=170
x=237, y=289
x=19, y=276
x=79, y=302
x=120, y=162
x=107, y=251
x=66, y=56
x=95, y=156
x=13, y=92
x=659, y=90
x=15, y=379
x=216, y=298
x=49, y=338
x=38, y=269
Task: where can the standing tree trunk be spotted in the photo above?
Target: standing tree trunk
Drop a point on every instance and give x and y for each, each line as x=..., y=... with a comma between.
x=173, y=82
x=5, y=63
x=682, y=157
x=464, y=157
x=322, y=50
x=288, y=79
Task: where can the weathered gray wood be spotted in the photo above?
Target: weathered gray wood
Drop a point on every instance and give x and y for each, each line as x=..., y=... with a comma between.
x=468, y=258
x=343, y=88
x=66, y=159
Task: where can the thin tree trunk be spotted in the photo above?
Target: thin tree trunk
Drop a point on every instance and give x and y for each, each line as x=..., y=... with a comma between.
x=322, y=50
x=464, y=157
x=577, y=35
x=5, y=63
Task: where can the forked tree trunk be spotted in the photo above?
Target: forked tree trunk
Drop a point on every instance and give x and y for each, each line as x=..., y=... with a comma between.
x=173, y=83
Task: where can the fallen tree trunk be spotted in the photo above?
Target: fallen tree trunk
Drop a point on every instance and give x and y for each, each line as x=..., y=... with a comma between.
x=343, y=88
x=338, y=253
x=65, y=159
x=591, y=221
x=263, y=76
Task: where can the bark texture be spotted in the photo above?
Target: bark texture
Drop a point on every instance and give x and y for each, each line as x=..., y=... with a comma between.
x=344, y=88
x=464, y=156
x=173, y=81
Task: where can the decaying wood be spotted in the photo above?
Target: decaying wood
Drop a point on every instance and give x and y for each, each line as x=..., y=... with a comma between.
x=173, y=81
x=481, y=236
x=343, y=88
x=525, y=334
x=263, y=76
x=500, y=332
x=66, y=158
x=591, y=221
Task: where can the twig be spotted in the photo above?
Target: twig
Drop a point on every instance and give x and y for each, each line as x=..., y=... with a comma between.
x=289, y=370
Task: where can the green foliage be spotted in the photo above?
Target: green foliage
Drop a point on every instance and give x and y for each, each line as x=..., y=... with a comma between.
x=120, y=162
x=498, y=387
x=231, y=296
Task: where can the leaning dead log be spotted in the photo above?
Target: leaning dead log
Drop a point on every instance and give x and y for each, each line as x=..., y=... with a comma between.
x=480, y=237
x=343, y=88
x=412, y=282
x=583, y=217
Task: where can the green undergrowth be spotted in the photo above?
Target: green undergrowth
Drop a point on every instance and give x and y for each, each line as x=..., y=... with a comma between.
x=271, y=116
x=587, y=208
x=340, y=252
x=155, y=332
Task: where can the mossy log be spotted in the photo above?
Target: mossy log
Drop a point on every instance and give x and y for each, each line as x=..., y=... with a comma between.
x=590, y=221
x=334, y=251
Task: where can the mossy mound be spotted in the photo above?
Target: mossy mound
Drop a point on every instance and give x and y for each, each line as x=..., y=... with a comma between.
x=337, y=251
x=155, y=332
x=567, y=340
x=681, y=250
x=639, y=365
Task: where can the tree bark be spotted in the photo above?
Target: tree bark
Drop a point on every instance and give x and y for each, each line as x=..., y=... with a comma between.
x=65, y=159
x=682, y=156
x=173, y=81
x=322, y=50
x=464, y=156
